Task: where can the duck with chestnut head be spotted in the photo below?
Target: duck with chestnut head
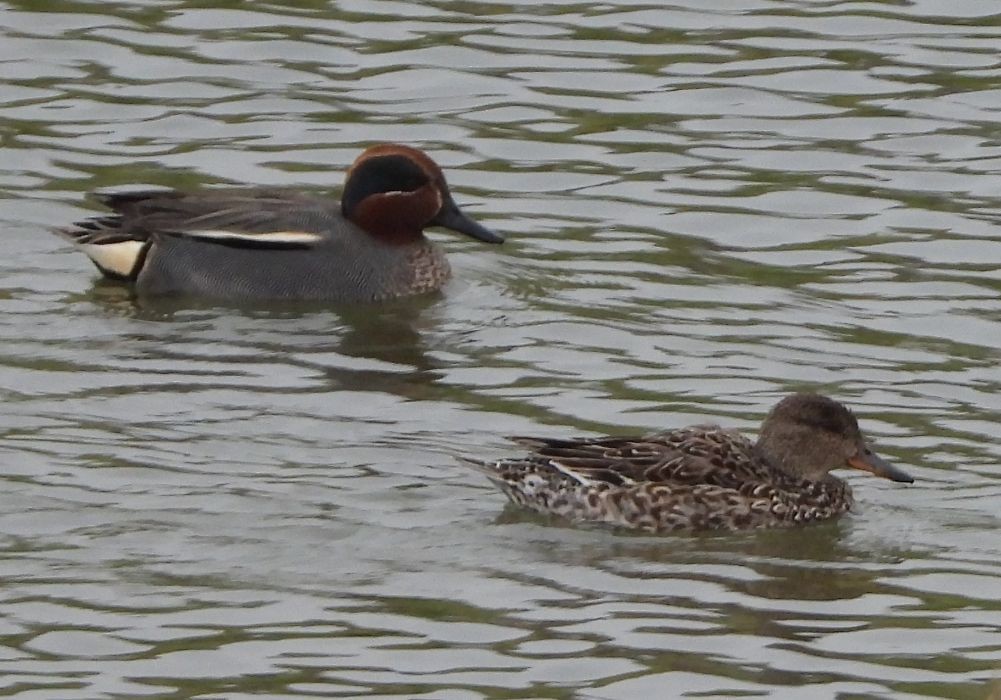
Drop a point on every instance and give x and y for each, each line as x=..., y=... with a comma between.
x=279, y=244
x=700, y=477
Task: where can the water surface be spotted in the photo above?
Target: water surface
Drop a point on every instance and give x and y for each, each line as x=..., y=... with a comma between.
x=709, y=205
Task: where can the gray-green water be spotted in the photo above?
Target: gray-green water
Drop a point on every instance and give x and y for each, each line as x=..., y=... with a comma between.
x=709, y=204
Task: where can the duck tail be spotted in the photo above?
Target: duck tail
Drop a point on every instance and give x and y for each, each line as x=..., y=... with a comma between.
x=487, y=469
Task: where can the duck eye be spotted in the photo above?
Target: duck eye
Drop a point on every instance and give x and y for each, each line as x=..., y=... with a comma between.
x=378, y=175
x=395, y=174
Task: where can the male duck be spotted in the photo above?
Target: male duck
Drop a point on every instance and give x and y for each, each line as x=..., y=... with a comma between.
x=278, y=244
x=701, y=477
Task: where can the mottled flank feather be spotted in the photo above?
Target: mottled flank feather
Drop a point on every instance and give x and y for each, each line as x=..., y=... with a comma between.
x=701, y=477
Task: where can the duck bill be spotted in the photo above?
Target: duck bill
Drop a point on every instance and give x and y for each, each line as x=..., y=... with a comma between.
x=451, y=217
x=869, y=461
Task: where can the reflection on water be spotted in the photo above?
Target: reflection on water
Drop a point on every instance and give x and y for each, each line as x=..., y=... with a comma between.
x=711, y=205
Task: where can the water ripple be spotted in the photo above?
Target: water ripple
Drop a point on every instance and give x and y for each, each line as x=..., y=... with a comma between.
x=708, y=205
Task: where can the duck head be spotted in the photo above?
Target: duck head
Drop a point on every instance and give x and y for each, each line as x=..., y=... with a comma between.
x=808, y=435
x=394, y=192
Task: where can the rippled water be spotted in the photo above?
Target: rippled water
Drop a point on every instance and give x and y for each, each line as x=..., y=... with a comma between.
x=709, y=204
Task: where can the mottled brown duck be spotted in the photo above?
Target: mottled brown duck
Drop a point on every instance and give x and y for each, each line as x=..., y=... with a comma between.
x=699, y=477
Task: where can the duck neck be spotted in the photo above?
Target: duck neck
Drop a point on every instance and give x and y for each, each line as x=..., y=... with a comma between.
x=396, y=236
x=786, y=458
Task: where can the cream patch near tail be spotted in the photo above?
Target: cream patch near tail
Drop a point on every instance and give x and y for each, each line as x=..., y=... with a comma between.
x=119, y=259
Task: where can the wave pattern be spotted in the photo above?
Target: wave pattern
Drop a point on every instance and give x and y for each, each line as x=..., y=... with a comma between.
x=709, y=204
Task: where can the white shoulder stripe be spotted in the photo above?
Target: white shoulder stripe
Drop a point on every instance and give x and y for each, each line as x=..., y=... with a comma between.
x=267, y=237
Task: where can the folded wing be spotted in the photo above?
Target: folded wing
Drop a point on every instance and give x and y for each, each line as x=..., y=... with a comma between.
x=244, y=218
x=703, y=455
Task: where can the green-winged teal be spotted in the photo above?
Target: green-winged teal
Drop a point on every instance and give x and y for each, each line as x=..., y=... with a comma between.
x=701, y=477
x=235, y=243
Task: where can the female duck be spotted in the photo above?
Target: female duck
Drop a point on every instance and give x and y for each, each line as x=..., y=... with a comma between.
x=702, y=477
x=278, y=244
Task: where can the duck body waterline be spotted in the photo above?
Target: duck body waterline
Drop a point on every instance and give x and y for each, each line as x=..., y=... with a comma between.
x=278, y=244
x=699, y=477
